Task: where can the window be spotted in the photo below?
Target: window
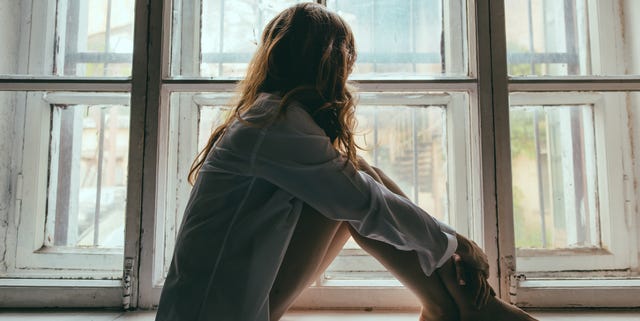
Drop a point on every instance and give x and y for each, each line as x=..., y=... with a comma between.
x=75, y=221
x=572, y=146
x=567, y=182
x=65, y=142
x=515, y=121
x=408, y=133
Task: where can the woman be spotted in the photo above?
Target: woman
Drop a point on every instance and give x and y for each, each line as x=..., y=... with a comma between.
x=278, y=190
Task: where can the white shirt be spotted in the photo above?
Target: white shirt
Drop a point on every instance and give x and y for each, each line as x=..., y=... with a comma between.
x=245, y=205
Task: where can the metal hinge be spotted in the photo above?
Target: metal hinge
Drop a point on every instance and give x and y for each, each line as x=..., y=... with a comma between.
x=18, y=198
x=514, y=284
x=126, y=282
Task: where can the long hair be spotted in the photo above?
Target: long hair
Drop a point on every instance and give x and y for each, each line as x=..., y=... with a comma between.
x=306, y=55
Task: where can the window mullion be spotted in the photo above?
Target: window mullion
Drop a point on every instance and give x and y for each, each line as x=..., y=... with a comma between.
x=142, y=170
x=620, y=83
x=493, y=129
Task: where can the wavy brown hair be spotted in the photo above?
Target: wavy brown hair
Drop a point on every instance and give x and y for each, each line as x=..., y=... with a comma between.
x=306, y=55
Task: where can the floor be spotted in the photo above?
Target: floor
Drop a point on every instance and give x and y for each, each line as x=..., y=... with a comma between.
x=62, y=315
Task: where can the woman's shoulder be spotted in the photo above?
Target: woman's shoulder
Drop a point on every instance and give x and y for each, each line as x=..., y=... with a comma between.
x=266, y=112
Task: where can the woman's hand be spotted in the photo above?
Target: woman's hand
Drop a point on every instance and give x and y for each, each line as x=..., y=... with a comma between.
x=472, y=269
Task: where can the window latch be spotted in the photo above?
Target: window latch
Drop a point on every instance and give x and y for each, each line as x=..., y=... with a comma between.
x=514, y=284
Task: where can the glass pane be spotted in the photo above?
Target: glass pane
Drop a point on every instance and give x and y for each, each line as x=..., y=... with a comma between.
x=88, y=38
x=407, y=37
x=210, y=118
x=216, y=38
x=554, y=177
x=88, y=173
x=409, y=145
x=572, y=37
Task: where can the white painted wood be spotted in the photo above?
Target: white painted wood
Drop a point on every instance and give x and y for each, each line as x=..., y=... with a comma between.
x=492, y=126
x=178, y=130
x=13, y=164
x=631, y=10
x=167, y=39
x=574, y=84
x=60, y=50
x=455, y=37
x=33, y=257
x=10, y=130
x=114, y=85
x=459, y=167
x=41, y=38
x=184, y=55
x=612, y=156
x=614, y=133
x=10, y=14
x=60, y=296
x=579, y=293
x=383, y=85
x=51, y=197
x=87, y=98
x=60, y=283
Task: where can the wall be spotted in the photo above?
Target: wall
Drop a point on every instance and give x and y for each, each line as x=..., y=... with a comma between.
x=631, y=14
x=9, y=33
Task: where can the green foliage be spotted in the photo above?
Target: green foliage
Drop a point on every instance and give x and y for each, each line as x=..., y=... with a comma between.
x=527, y=236
x=522, y=131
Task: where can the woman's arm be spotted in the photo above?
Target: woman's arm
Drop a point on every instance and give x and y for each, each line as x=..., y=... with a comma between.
x=302, y=161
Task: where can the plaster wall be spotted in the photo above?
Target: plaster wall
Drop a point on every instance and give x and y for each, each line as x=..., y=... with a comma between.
x=10, y=12
x=631, y=23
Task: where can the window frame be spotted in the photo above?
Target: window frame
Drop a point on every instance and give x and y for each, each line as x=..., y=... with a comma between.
x=153, y=269
x=609, y=115
x=458, y=137
x=51, y=277
x=613, y=286
x=32, y=257
x=36, y=95
x=488, y=86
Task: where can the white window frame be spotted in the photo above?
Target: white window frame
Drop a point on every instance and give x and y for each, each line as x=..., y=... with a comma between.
x=609, y=128
x=390, y=293
x=180, y=127
x=615, y=285
x=32, y=256
x=34, y=275
x=489, y=172
x=177, y=128
x=456, y=106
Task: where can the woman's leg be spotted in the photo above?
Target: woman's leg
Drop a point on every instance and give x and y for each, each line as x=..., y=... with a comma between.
x=434, y=297
x=316, y=241
x=464, y=296
x=494, y=310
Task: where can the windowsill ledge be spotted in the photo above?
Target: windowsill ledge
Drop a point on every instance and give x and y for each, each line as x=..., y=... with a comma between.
x=67, y=315
x=586, y=293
